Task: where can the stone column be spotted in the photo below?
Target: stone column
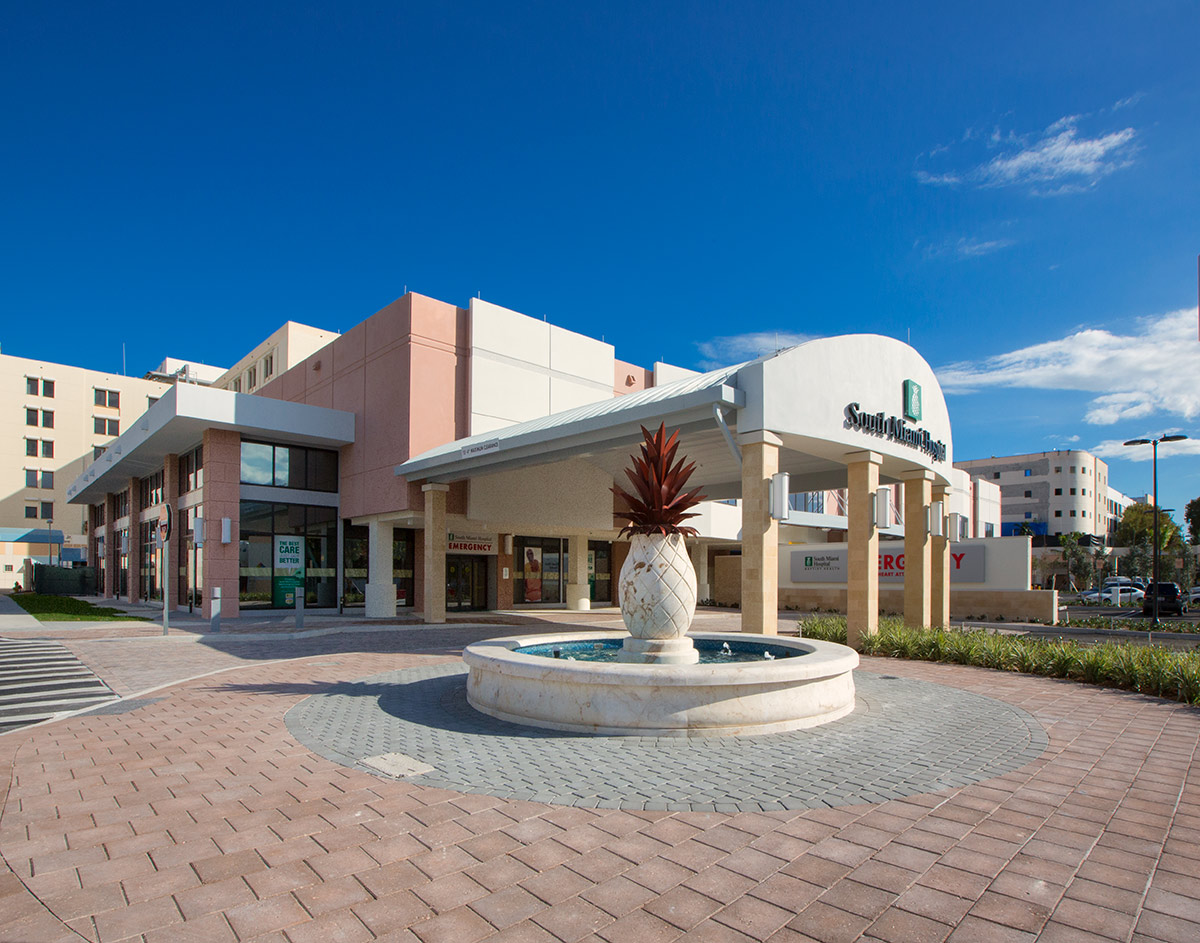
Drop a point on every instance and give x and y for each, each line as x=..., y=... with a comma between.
x=578, y=597
x=435, y=552
x=171, y=499
x=133, y=557
x=862, y=563
x=504, y=561
x=918, y=609
x=111, y=540
x=221, y=493
x=760, y=534
x=699, y=554
x=940, y=564
x=381, y=589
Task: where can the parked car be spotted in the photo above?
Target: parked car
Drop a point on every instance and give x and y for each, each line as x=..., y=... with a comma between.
x=1194, y=596
x=1126, y=595
x=1171, y=600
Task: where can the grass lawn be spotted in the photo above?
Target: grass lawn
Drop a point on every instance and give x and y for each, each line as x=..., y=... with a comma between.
x=66, y=609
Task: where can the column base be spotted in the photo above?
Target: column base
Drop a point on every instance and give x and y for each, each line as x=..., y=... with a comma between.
x=579, y=597
x=381, y=601
x=658, y=651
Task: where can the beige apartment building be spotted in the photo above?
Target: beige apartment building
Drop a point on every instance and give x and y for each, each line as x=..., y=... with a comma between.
x=282, y=350
x=55, y=421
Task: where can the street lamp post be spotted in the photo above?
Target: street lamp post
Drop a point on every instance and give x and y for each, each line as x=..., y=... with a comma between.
x=49, y=543
x=1154, y=442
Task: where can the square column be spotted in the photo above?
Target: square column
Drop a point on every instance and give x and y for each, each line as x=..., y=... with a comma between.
x=699, y=554
x=578, y=595
x=221, y=495
x=381, y=588
x=435, y=552
x=760, y=533
x=940, y=565
x=175, y=563
x=862, y=565
x=134, y=550
x=111, y=538
x=918, y=590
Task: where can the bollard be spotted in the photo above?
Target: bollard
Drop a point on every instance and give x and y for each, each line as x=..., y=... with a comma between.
x=299, y=609
x=215, y=619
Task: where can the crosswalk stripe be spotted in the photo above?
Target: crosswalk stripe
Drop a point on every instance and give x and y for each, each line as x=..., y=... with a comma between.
x=39, y=680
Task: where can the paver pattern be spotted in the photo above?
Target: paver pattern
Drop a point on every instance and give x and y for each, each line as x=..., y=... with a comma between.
x=905, y=737
x=201, y=817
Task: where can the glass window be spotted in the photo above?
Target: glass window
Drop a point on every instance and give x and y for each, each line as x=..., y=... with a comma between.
x=114, y=427
x=1058, y=469
x=98, y=425
x=1072, y=491
x=1072, y=513
x=47, y=419
x=283, y=468
x=1029, y=494
x=47, y=448
x=1058, y=490
x=1029, y=514
x=31, y=386
x=1058, y=513
x=251, y=378
x=237, y=385
x=47, y=479
x=114, y=399
x=1028, y=472
x=97, y=451
x=257, y=463
x=31, y=417
x=268, y=365
x=995, y=474
x=322, y=470
x=30, y=512
x=101, y=397
x=31, y=446
x=48, y=388
x=47, y=510
x=31, y=478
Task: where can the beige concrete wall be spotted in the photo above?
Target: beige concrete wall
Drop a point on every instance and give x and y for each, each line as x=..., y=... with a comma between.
x=73, y=435
x=1009, y=605
x=562, y=497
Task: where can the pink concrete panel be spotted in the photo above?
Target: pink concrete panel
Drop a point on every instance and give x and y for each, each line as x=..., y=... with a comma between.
x=171, y=499
x=629, y=378
x=347, y=352
x=389, y=325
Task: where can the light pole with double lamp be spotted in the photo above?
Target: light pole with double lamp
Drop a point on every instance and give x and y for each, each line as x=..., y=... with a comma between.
x=1154, y=442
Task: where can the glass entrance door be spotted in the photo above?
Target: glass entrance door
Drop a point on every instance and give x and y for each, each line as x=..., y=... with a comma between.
x=466, y=583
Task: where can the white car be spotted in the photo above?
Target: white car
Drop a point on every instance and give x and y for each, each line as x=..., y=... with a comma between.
x=1126, y=595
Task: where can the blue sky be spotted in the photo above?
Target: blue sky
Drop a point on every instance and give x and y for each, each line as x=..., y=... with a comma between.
x=1013, y=187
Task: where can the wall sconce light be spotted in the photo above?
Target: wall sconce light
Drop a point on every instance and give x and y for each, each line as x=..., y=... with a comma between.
x=508, y=544
x=226, y=530
x=937, y=524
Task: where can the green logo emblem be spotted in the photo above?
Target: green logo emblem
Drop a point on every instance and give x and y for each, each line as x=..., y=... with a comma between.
x=912, y=400
x=808, y=561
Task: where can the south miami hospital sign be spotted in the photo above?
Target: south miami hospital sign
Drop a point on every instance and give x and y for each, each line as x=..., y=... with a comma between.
x=896, y=428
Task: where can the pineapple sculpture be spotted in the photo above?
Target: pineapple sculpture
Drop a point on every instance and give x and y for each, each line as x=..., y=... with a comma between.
x=657, y=585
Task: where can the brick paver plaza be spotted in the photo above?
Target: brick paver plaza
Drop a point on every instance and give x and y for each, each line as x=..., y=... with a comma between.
x=228, y=807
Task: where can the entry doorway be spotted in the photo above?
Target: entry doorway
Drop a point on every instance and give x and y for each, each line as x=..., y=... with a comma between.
x=466, y=583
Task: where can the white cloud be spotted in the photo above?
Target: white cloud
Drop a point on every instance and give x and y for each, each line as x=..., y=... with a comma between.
x=1155, y=368
x=966, y=248
x=1056, y=162
x=737, y=348
x=1116, y=448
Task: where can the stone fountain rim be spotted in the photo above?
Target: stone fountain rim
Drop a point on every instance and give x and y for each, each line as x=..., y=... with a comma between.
x=821, y=660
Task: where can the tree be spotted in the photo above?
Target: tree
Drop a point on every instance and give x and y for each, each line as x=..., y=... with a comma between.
x=1139, y=561
x=1078, y=561
x=1191, y=514
x=1137, y=524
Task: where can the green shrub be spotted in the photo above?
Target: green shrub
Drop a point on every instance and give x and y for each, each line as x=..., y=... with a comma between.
x=1143, y=668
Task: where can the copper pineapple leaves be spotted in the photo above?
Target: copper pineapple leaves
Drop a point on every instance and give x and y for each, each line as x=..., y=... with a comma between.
x=660, y=504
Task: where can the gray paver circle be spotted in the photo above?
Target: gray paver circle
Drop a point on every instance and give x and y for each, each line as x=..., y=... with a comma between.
x=905, y=737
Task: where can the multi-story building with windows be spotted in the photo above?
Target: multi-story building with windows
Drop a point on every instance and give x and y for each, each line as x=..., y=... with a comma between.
x=285, y=348
x=1053, y=493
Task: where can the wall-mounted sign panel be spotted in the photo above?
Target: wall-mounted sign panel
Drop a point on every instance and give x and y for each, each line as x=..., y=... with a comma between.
x=967, y=565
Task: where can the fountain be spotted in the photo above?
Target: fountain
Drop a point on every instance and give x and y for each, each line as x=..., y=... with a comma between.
x=658, y=680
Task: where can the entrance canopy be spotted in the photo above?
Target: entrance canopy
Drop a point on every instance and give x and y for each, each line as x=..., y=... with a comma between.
x=826, y=400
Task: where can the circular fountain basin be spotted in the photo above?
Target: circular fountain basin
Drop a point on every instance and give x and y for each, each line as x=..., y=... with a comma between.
x=812, y=685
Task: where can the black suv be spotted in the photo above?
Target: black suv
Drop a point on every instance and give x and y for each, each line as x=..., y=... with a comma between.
x=1171, y=600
